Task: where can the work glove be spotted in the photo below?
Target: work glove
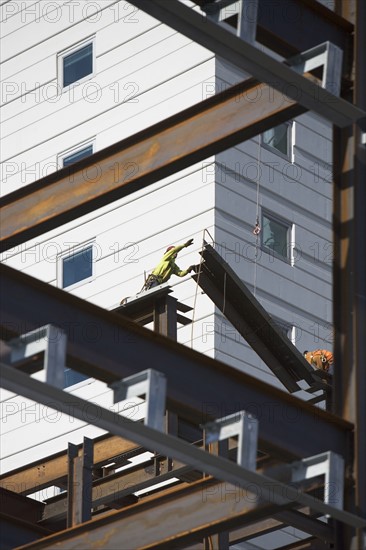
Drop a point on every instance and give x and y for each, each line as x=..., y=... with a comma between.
x=193, y=268
x=189, y=242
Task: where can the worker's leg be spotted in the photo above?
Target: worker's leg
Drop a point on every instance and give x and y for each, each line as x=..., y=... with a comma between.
x=151, y=282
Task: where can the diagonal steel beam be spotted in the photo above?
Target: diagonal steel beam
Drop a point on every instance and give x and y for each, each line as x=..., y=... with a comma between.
x=249, y=58
x=219, y=281
x=98, y=337
x=134, y=163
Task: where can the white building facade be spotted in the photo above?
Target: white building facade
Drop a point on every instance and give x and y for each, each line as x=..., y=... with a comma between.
x=78, y=76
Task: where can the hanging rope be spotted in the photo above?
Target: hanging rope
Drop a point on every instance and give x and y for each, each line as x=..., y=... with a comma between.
x=257, y=228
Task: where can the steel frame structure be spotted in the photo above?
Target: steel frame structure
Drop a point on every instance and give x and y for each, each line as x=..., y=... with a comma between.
x=330, y=432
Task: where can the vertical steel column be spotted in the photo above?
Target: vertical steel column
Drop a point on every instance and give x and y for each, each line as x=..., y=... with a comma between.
x=218, y=540
x=165, y=322
x=165, y=317
x=349, y=291
x=360, y=272
x=79, y=483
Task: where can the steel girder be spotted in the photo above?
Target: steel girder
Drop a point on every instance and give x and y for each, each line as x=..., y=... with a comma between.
x=192, y=135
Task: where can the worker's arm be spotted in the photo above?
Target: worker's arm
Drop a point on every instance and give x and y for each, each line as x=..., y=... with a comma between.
x=176, y=249
x=183, y=272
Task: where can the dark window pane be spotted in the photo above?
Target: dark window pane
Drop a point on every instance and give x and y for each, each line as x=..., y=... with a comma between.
x=72, y=377
x=78, y=64
x=275, y=236
x=277, y=138
x=74, y=157
x=77, y=267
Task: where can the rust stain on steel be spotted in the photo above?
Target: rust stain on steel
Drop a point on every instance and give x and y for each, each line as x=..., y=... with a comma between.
x=104, y=540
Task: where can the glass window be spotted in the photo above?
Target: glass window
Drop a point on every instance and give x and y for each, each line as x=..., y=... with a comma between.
x=278, y=138
x=276, y=235
x=77, y=267
x=77, y=155
x=77, y=65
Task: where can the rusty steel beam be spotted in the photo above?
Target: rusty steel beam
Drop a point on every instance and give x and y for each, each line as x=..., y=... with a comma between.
x=27, y=303
x=134, y=163
x=115, y=487
x=53, y=469
x=349, y=274
x=181, y=517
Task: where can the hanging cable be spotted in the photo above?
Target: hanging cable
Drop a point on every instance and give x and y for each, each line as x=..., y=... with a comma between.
x=257, y=228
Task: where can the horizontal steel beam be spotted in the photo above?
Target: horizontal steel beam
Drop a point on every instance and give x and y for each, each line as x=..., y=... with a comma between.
x=251, y=59
x=192, y=135
x=261, y=495
x=182, y=517
x=108, y=347
x=53, y=469
x=115, y=487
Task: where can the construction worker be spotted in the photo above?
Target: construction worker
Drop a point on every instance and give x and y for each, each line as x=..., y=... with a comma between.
x=167, y=267
x=321, y=359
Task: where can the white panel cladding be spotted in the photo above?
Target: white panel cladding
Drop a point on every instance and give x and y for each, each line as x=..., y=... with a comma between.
x=27, y=25
x=48, y=118
x=152, y=108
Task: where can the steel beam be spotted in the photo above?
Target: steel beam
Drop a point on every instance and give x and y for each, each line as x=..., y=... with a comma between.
x=249, y=58
x=53, y=469
x=120, y=348
x=349, y=273
x=115, y=487
x=270, y=489
x=182, y=517
x=230, y=294
x=281, y=24
x=190, y=136
x=79, y=483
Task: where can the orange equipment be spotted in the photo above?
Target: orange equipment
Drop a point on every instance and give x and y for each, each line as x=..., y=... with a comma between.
x=320, y=359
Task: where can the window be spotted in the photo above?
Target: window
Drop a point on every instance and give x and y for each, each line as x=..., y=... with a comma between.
x=76, y=63
x=75, y=153
x=276, y=236
x=77, y=266
x=78, y=155
x=278, y=138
